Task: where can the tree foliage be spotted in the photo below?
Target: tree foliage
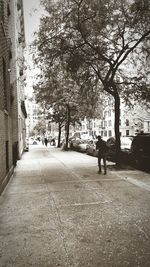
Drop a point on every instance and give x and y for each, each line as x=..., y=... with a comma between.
x=69, y=100
x=40, y=127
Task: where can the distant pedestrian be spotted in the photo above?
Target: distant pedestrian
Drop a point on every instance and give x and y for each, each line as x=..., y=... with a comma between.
x=45, y=141
x=102, y=148
x=53, y=142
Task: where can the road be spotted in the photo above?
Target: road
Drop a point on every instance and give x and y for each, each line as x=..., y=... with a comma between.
x=58, y=211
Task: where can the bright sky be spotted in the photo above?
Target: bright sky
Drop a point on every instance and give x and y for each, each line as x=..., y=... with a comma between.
x=32, y=14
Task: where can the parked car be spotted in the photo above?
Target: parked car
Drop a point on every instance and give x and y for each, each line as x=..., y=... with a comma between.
x=111, y=143
x=140, y=150
x=81, y=135
x=125, y=148
x=26, y=148
x=82, y=146
x=74, y=143
x=125, y=142
x=91, y=148
x=32, y=141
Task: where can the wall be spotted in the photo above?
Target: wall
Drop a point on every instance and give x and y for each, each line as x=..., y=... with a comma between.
x=6, y=144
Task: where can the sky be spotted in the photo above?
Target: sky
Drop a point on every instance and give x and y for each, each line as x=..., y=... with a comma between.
x=32, y=14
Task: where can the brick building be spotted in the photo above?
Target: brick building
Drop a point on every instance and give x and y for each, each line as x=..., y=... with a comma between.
x=11, y=90
x=17, y=75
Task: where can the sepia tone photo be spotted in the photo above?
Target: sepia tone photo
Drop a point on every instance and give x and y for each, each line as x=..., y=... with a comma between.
x=74, y=133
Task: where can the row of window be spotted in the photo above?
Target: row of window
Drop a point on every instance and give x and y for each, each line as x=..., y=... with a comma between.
x=108, y=113
x=106, y=133
x=109, y=133
x=109, y=123
x=105, y=124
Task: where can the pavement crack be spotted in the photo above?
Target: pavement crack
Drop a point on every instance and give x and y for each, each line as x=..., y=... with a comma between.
x=142, y=231
x=85, y=204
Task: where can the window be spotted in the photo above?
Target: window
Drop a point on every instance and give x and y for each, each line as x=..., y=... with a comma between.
x=105, y=123
x=18, y=5
x=105, y=133
x=105, y=114
x=8, y=10
x=127, y=132
x=127, y=122
x=109, y=133
x=109, y=123
x=109, y=112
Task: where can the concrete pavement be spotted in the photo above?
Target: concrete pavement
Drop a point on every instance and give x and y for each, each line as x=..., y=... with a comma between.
x=58, y=211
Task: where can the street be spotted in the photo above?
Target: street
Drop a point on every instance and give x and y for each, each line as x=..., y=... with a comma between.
x=58, y=211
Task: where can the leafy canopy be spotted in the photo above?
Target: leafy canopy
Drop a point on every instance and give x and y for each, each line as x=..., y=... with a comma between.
x=104, y=37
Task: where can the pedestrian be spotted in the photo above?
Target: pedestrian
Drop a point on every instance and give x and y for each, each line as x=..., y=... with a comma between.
x=102, y=148
x=53, y=142
x=45, y=141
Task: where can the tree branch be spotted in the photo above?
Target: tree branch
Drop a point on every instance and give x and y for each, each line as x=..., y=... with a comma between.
x=132, y=48
x=96, y=49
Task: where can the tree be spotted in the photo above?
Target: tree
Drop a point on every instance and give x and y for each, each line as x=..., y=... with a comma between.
x=68, y=99
x=40, y=127
x=102, y=37
x=58, y=116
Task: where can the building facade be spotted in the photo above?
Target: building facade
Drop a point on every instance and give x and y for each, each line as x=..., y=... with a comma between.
x=11, y=88
x=33, y=116
x=132, y=120
x=17, y=75
x=6, y=166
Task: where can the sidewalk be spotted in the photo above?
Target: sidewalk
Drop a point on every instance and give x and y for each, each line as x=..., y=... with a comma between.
x=57, y=211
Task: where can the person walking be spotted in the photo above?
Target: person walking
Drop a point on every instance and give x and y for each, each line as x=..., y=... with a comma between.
x=102, y=153
x=45, y=141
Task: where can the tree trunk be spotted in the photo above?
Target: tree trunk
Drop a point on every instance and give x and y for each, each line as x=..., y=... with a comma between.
x=117, y=120
x=59, y=135
x=67, y=127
